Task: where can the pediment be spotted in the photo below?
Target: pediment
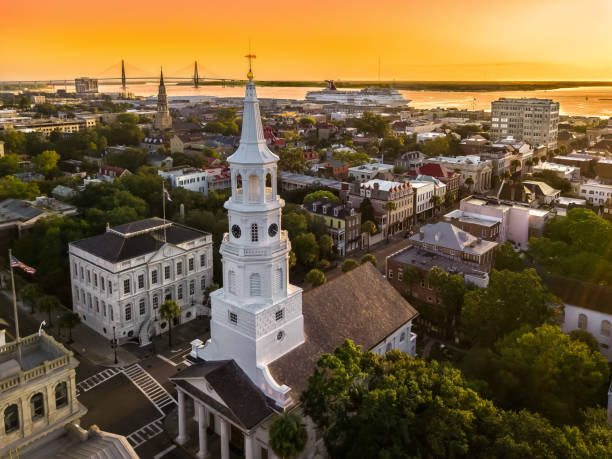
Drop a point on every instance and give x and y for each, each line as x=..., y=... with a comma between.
x=164, y=252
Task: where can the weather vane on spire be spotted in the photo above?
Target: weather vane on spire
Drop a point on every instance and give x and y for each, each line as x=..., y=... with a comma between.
x=250, y=57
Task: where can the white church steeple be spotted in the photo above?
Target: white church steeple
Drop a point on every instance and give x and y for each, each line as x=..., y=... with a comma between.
x=257, y=315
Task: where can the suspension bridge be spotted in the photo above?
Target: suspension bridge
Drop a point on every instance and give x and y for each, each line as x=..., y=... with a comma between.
x=117, y=75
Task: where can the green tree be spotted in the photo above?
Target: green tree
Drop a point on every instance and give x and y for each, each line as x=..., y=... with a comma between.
x=585, y=337
x=307, y=121
x=207, y=291
x=48, y=304
x=372, y=124
x=508, y=258
x=368, y=227
x=315, y=277
x=367, y=210
x=292, y=160
x=288, y=435
x=306, y=248
x=11, y=187
x=46, y=162
x=436, y=147
x=411, y=275
x=510, y=301
x=469, y=182
x=321, y=195
x=349, y=264
x=389, y=206
x=395, y=406
x=15, y=141
x=368, y=257
x=449, y=198
x=436, y=201
x=326, y=244
x=69, y=320
x=451, y=287
x=9, y=164
x=31, y=292
x=169, y=311
x=544, y=370
x=131, y=159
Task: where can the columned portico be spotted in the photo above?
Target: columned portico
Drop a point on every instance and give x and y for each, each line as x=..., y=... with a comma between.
x=249, y=451
x=224, y=427
x=202, y=424
x=182, y=422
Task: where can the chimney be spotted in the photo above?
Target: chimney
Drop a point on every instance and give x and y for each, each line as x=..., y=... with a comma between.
x=182, y=210
x=421, y=235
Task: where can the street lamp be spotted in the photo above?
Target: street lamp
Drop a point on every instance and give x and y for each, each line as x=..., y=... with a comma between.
x=115, y=344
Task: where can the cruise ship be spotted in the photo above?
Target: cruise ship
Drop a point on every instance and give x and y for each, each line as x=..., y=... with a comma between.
x=367, y=96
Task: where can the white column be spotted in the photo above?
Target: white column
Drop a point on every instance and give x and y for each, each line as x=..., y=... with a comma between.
x=195, y=408
x=182, y=422
x=249, y=451
x=202, y=453
x=224, y=438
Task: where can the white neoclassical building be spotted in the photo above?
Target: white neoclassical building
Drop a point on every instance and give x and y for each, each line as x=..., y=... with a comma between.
x=265, y=335
x=120, y=278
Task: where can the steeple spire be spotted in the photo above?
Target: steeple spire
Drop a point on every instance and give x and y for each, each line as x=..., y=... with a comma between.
x=161, y=77
x=253, y=148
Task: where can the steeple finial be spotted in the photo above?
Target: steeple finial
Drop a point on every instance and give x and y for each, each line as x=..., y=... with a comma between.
x=161, y=76
x=250, y=57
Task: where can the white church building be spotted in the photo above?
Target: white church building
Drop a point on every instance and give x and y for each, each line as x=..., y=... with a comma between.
x=266, y=335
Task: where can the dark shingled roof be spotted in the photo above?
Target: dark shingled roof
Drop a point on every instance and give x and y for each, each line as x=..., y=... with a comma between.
x=578, y=293
x=246, y=404
x=114, y=247
x=360, y=305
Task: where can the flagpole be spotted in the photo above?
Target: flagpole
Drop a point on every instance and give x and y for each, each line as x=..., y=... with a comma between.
x=15, y=306
x=164, y=206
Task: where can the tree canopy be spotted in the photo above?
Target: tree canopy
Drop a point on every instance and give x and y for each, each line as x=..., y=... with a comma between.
x=510, y=301
x=394, y=406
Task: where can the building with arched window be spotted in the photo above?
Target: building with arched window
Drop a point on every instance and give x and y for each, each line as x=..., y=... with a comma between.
x=39, y=410
x=587, y=307
x=132, y=269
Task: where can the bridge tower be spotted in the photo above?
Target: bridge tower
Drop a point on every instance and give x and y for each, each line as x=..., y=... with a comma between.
x=196, y=77
x=123, y=84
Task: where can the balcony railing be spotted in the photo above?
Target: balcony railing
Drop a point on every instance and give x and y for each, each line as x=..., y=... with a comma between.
x=36, y=372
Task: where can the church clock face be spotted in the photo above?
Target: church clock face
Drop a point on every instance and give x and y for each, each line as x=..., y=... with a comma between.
x=273, y=229
x=236, y=231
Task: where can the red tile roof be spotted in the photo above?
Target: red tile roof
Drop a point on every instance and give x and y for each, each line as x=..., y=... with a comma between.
x=435, y=170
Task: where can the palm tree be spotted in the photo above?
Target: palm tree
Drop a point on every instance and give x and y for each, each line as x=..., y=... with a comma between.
x=288, y=435
x=48, y=304
x=436, y=200
x=469, y=182
x=169, y=311
x=368, y=227
x=30, y=293
x=390, y=206
x=449, y=198
x=69, y=320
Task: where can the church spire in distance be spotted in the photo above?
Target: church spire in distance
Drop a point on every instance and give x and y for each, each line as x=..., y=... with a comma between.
x=162, y=120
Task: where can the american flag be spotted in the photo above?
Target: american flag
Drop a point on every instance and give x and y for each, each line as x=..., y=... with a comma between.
x=167, y=195
x=15, y=263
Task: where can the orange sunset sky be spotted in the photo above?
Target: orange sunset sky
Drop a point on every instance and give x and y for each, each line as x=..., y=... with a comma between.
x=311, y=39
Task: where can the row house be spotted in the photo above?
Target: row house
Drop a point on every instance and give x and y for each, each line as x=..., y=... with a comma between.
x=343, y=224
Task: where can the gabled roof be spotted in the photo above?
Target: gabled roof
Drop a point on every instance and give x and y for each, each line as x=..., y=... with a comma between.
x=359, y=305
x=246, y=404
x=436, y=170
x=578, y=293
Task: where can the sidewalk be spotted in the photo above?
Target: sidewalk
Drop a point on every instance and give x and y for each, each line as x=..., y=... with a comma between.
x=87, y=344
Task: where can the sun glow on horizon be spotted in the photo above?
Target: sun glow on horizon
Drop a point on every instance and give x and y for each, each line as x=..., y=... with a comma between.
x=440, y=40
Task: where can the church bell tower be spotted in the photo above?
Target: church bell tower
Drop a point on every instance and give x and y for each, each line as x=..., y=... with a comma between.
x=162, y=119
x=257, y=315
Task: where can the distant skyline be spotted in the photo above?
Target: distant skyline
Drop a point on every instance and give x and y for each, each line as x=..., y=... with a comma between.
x=415, y=40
